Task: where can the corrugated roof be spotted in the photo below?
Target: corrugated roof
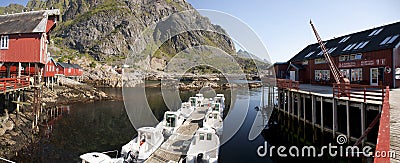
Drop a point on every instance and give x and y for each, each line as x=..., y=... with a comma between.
x=384, y=37
x=26, y=22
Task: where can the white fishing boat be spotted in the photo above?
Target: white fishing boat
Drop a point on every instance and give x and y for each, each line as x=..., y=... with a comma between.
x=172, y=121
x=204, y=147
x=97, y=157
x=213, y=120
x=186, y=110
x=217, y=107
x=196, y=101
x=141, y=147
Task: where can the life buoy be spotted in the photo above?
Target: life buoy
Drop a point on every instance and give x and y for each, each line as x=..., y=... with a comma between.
x=388, y=69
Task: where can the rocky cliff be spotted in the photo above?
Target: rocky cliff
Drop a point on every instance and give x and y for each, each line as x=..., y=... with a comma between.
x=110, y=29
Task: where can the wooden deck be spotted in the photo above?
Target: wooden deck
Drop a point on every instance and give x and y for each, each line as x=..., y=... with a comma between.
x=14, y=84
x=394, y=100
x=178, y=144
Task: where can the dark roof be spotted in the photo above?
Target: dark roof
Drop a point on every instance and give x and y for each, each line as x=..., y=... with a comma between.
x=26, y=22
x=364, y=41
x=296, y=66
x=65, y=65
x=76, y=66
x=280, y=63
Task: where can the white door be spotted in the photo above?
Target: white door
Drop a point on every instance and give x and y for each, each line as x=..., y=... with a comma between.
x=374, y=76
x=293, y=75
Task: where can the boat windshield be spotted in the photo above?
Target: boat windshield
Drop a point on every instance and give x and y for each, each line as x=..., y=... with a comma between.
x=201, y=136
x=209, y=136
x=170, y=119
x=193, y=101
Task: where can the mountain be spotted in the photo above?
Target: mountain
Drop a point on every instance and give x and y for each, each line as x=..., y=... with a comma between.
x=111, y=30
x=12, y=8
x=245, y=54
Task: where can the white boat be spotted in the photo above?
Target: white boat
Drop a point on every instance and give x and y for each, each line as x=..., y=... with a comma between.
x=204, y=147
x=172, y=121
x=217, y=107
x=96, y=157
x=141, y=147
x=213, y=119
x=186, y=110
x=196, y=101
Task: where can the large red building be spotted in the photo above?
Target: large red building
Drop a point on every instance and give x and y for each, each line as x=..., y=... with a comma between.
x=23, y=41
x=370, y=57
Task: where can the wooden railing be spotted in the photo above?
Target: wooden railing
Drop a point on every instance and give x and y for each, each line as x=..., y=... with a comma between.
x=383, y=142
x=288, y=84
x=7, y=84
x=363, y=92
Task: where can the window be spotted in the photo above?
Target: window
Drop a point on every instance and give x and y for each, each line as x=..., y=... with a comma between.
x=356, y=74
x=375, y=32
x=389, y=40
x=350, y=46
x=344, y=58
x=344, y=39
x=362, y=46
x=309, y=54
x=209, y=136
x=4, y=42
x=320, y=60
x=345, y=72
x=201, y=135
x=392, y=39
x=332, y=49
x=322, y=75
x=358, y=56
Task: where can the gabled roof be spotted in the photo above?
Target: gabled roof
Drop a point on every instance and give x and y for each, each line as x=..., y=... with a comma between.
x=296, y=66
x=379, y=38
x=52, y=60
x=65, y=65
x=26, y=22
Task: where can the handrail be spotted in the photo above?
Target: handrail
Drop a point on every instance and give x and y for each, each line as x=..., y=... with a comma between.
x=363, y=92
x=288, y=84
x=14, y=83
x=383, y=142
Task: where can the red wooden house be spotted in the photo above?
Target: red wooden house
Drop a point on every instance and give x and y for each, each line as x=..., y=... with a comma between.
x=23, y=40
x=50, y=68
x=370, y=57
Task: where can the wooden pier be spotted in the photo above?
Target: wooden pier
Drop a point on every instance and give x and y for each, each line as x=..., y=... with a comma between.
x=394, y=101
x=177, y=144
x=320, y=115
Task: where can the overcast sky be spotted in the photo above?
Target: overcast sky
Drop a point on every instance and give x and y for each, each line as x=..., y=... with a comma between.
x=283, y=26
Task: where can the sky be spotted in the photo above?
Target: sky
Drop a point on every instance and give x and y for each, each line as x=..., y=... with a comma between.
x=283, y=26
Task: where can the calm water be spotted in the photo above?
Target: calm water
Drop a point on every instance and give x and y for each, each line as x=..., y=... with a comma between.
x=104, y=126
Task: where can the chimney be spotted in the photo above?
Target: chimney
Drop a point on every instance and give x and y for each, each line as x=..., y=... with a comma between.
x=69, y=61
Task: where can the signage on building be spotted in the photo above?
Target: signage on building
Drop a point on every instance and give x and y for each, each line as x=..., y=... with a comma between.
x=373, y=62
x=347, y=64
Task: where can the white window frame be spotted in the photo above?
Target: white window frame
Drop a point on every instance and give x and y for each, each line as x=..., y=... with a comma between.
x=4, y=42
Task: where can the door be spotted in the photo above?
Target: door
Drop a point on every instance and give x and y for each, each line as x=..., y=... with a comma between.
x=293, y=75
x=374, y=76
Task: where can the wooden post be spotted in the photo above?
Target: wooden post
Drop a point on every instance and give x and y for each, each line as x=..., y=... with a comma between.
x=313, y=109
x=348, y=119
x=322, y=114
x=304, y=118
x=19, y=69
x=362, y=121
x=335, y=122
x=289, y=102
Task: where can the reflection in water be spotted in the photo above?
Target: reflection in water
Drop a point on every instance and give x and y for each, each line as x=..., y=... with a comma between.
x=104, y=126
